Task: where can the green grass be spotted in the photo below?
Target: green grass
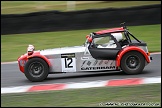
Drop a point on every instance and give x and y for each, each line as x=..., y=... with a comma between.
x=88, y=97
x=12, y=46
x=18, y=7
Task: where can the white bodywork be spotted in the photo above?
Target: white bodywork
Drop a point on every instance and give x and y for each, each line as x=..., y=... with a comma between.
x=75, y=59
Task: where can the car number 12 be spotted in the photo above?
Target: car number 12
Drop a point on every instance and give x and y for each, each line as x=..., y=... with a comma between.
x=68, y=64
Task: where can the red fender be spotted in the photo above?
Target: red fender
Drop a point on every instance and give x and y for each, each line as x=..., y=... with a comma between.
x=21, y=62
x=37, y=54
x=131, y=48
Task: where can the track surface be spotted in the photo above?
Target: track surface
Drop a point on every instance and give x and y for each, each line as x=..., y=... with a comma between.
x=11, y=76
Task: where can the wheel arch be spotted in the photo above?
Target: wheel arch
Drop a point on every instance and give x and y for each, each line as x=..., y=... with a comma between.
x=129, y=49
x=41, y=57
x=42, y=69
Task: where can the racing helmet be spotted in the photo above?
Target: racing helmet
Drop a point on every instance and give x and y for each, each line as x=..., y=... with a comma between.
x=30, y=49
x=118, y=36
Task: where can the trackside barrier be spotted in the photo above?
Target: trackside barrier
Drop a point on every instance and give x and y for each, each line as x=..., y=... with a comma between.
x=74, y=20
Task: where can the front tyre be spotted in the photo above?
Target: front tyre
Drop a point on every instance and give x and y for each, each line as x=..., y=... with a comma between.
x=133, y=62
x=36, y=69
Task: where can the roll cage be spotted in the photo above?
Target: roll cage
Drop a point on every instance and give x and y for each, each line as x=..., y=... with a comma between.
x=104, y=33
x=111, y=53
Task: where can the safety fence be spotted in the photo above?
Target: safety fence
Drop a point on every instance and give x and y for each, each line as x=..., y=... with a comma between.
x=85, y=19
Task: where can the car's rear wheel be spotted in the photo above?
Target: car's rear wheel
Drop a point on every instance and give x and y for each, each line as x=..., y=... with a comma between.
x=36, y=69
x=133, y=62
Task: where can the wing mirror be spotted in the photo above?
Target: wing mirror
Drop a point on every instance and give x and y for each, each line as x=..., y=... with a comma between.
x=89, y=38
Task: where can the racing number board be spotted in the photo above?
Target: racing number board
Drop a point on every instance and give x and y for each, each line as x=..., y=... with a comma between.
x=68, y=62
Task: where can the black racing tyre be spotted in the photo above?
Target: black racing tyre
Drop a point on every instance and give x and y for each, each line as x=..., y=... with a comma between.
x=36, y=69
x=132, y=62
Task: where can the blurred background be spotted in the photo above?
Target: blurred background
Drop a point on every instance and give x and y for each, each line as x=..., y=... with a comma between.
x=42, y=16
x=19, y=7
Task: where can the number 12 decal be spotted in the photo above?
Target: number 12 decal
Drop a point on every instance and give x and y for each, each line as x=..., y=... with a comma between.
x=68, y=62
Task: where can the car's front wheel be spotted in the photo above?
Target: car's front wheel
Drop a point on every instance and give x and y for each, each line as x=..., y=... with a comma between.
x=36, y=69
x=133, y=62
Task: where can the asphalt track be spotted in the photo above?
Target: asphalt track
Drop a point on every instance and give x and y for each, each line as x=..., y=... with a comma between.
x=11, y=76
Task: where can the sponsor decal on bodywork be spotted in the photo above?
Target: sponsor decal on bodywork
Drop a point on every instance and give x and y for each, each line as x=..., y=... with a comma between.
x=98, y=68
x=98, y=65
x=96, y=61
x=88, y=63
x=70, y=55
x=84, y=58
x=22, y=62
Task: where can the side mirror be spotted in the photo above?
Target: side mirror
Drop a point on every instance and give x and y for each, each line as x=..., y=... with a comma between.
x=90, y=39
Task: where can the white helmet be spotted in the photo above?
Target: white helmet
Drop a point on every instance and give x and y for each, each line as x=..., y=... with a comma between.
x=118, y=36
x=30, y=48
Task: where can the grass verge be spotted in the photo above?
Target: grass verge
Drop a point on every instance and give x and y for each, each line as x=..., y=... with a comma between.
x=150, y=94
x=19, y=7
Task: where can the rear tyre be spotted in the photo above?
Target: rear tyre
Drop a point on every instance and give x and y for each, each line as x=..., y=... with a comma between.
x=36, y=69
x=133, y=62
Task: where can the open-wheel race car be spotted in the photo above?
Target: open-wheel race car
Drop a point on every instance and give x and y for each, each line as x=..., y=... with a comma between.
x=106, y=50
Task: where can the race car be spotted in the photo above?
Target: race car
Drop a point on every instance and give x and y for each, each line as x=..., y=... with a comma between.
x=106, y=50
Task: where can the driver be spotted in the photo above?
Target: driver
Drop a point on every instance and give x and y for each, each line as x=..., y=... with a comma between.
x=30, y=48
x=111, y=43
